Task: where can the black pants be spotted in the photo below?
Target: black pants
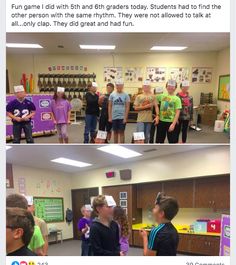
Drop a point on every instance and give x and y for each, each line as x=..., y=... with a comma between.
x=183, y=127
x=162, y=132
x=17, y=130
x=86, y=249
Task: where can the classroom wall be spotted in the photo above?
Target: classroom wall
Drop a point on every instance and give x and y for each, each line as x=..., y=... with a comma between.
x=206, y=162
x=29, y=63
x=223, y=68
x=45, y=183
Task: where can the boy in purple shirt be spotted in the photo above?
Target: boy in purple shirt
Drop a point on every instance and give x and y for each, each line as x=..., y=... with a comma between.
x=21, y=111
x=61, y=109
x=84, y=227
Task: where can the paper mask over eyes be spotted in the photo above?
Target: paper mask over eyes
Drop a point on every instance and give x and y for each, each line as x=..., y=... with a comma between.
x=30, y=200
x=147, y=83
x=19, y=89
x=110, y=201
x=120, y=82
x=185, y=83
x=171, y=83
x=61, y=89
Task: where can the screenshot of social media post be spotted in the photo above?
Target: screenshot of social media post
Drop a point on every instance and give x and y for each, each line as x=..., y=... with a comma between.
x=117, y=131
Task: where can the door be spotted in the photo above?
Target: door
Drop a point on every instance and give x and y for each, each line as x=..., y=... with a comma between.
x=182, y=190
x=79, y=198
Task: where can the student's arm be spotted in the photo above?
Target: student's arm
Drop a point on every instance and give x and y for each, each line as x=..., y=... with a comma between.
x=127, y=108
x=157, y=112
x=96, y=244
x=146, y=250
x=45, y=246
x=191, y=112
x=178, y=107
x=9, y=114
x=68, y=116
x=37, y=242
x=31, y=115
x=110, y=110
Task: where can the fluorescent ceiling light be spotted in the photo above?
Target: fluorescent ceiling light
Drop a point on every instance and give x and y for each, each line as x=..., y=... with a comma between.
x=97, y=47
x=120, y=151
x=8, y=147
x=168, y=48
x=23, y=45
x=74, y=163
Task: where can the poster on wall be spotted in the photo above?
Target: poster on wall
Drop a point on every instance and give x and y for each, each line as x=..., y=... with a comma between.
x=225, y=236
x=224, y=88
x=179, y=74
x=156, y=74
x=111, y=74
x=201, y=75
x=133, y=74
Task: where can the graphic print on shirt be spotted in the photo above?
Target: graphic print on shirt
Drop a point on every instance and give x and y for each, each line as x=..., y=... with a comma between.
x=119, y=101
x=167, y=108
x=23, y=113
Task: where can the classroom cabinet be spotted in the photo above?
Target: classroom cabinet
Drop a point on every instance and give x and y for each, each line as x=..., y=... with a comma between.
x=212, y=192
x=137, y=240
x=182, y=190
x=147, y=193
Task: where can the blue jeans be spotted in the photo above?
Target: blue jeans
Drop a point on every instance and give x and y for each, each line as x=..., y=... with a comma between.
x=86, y=249
x=146, y=128
x=90, y=127
x=17, y=130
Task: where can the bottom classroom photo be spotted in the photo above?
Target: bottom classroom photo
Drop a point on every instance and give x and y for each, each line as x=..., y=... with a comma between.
x=113, y=200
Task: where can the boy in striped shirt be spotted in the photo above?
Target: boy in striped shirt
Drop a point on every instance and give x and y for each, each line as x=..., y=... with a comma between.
x=163, y=239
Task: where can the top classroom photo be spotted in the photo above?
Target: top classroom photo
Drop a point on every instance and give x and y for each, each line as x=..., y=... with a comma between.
x=140, y=88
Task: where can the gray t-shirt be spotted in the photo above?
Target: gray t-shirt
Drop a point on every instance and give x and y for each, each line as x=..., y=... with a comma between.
x=119, y=101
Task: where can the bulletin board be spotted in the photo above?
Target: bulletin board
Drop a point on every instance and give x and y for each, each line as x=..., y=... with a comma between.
x=50, y=209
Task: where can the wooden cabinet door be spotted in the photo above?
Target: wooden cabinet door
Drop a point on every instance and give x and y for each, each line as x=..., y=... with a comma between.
x=184, y=243
x=205, y=245
x=212, y=192
x=137, y=240
x=146, y=194
x=182, y=190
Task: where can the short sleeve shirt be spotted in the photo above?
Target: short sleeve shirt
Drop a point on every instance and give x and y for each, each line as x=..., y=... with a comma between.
x=60, y=109
x=142, y=100
x=42, y=225
x=36, y=240
x=118, y=101
x=82, y=224
x=164, y=240
x=168, y=106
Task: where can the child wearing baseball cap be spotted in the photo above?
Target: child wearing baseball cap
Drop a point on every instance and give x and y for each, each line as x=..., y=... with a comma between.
x=21, y=110
x=186, y=113
x=118, y=110
x=61, y=110
x=167, y=120
x=91, y=113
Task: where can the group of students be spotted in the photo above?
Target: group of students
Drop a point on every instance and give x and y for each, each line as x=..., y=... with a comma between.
x=108, y=233
x=168, y=114
x=105, y=235
x=26, y=234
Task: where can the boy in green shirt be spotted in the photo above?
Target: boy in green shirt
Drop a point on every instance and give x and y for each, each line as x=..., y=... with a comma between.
x=170, y=106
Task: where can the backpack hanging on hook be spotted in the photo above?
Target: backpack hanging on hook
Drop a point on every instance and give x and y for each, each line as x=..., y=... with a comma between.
x=69, y=215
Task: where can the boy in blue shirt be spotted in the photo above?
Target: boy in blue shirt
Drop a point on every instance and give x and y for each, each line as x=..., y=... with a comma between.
x=163, y=239
x=118, y=110
x=21, y=111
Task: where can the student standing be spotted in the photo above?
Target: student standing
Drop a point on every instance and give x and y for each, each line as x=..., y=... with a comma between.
x=21, y=111
x=36, y=243
x=122, y=220
x=163, y=239
x=61, y=110
x=144, y=104
x=104, y=124
x=104, y=232
x=19, y=231
x=91, y=113
x=84, y=227
x=40, y=223
x=186, y=113
x=118, y=110
x=170, y=106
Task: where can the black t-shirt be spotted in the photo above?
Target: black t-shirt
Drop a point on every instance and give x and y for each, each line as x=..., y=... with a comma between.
x=104, y=240
x=92, y=106
x=23, y=251
x=164, y=240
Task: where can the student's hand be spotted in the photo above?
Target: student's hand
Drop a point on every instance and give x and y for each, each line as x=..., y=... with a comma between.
x=55, y=122
x=18, y=119
x=25, y=119
x=124, y=121
x=172, y=127
x=68, y=122
x=122, y=253
x=110, y=120
x=143, y=233
x=156, y=120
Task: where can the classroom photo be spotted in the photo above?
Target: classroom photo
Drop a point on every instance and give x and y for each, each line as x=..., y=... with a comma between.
x=121, y=88
x=118, y=200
